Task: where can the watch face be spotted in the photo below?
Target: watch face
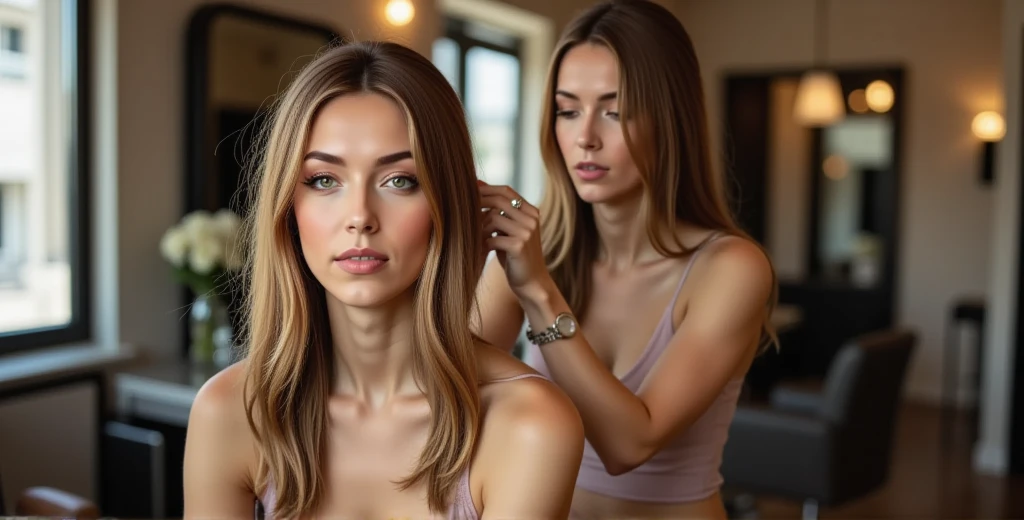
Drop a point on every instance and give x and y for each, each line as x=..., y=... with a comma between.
x=566, y=325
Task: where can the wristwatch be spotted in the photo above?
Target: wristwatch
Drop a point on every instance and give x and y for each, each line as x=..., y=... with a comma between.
x=564, y=327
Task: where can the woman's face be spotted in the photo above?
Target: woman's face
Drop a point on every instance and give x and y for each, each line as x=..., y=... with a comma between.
x=364, y=223
x=587, y=126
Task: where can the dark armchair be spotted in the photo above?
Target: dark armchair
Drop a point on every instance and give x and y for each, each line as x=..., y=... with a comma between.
x=49, y=502
x=829, y=443
x=45, y=501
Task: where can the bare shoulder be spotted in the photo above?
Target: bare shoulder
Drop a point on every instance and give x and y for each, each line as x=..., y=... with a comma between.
x=219, y=449
x=734, y=261
x=524, y=411
x=221, y=400
x=217, y=418
x=530, y=447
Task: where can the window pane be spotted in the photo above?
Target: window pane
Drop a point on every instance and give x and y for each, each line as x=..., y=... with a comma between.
x=492, y=103
x=37, y=96
x=446, y=59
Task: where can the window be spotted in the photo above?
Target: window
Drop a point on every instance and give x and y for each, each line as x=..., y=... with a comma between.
x=11, y=39
x=483, y=66
x=12, y=49
x=43, y=188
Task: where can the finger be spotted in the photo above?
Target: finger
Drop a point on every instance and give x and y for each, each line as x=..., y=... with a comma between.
x=502, y=190
x=507, y=227
x=526, y=214
x=498, y=204
x=489, y=189
x=525, y=206
x=509, y=245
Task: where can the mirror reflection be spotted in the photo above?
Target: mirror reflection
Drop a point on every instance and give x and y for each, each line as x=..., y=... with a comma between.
x=826, y=217
x=240, y=60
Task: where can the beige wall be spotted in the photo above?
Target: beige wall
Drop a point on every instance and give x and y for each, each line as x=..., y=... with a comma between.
x=950, y=76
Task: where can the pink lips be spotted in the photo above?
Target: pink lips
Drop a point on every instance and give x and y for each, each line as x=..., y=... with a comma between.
x=361, y=261
x=590, y=171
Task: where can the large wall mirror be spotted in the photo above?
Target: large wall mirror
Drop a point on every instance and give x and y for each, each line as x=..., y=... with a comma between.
x=237, y=61
x=824, y=200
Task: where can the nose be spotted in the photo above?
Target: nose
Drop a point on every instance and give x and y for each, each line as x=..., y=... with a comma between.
x=588, y=138
x=360, y=217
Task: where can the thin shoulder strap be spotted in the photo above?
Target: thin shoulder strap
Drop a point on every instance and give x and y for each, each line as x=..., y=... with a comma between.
x=696, y=252
x=514, y=378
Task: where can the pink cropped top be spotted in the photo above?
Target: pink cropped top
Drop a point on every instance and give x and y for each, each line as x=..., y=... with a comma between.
x=462, y=507
x=687, y=468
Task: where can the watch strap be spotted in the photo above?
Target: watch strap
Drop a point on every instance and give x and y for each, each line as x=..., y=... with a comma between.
x=545, y=336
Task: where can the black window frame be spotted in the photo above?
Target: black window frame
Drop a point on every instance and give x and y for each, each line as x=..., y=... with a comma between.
x=77, y=146
x=462, y=33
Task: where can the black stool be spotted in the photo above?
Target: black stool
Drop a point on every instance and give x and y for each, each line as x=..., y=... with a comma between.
x=970, y=310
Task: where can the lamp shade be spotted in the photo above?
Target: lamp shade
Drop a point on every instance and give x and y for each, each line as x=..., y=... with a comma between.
x=819, y=99
x=988, y=126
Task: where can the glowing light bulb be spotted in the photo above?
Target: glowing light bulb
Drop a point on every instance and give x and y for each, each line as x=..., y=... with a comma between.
x=988, y=126
x=399, y=12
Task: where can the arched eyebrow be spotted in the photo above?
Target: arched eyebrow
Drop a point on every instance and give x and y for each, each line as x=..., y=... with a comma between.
x=334, y=159
x=603, y=97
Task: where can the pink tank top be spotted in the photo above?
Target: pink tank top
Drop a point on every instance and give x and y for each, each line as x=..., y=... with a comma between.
x=687, y=468
x=462, y=507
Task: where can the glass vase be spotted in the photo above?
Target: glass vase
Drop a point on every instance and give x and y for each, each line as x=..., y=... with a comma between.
x=211, y=337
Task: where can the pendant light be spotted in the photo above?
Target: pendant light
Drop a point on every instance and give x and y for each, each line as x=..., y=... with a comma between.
x=819, y=97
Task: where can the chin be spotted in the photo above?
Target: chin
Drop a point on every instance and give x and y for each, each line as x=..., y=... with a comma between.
x=366, y=295
x=598, y=194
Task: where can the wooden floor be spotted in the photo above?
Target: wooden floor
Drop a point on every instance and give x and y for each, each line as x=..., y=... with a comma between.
x=926, y=481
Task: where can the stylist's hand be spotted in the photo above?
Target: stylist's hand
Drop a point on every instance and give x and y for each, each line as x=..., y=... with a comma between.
x=517, y=237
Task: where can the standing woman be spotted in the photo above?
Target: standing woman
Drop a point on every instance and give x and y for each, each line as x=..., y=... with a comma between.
x=644, y=301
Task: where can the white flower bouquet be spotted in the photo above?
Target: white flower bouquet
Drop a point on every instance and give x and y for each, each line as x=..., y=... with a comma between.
x=202, y=247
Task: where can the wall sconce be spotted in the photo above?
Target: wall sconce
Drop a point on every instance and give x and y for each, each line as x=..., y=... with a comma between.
x=399, y=12
x=990, y=128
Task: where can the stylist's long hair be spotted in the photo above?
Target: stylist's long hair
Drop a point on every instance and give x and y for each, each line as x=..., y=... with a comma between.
x=660, y=91
x=290, y=358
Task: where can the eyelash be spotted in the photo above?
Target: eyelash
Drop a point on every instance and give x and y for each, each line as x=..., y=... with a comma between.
x=571, y=113
x=312, y=181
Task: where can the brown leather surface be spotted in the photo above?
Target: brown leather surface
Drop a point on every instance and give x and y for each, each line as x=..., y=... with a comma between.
x=45, y=501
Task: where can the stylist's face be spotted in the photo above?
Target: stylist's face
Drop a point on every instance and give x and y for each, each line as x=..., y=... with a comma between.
x=588, y=129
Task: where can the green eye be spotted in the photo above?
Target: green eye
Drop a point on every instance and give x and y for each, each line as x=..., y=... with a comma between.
x=324, y=183
x=402, y=182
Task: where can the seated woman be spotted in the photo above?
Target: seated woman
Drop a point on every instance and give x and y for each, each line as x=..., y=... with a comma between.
x=363, y=393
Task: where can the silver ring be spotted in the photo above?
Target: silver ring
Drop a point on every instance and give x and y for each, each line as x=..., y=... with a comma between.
x=502, y=213
x=517, y=203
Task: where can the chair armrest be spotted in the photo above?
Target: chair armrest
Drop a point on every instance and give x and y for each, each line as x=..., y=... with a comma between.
x=803, y=397
x=46, y=501
x=778, y=453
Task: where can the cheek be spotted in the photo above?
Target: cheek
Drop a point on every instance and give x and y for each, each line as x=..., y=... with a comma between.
x=564, y=134
x=618, y=152
x=414, y=226
x=313, y=223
